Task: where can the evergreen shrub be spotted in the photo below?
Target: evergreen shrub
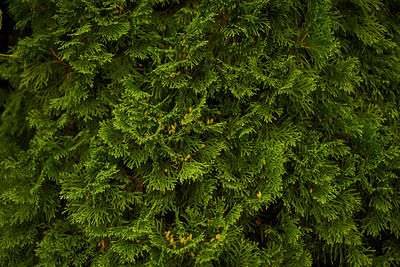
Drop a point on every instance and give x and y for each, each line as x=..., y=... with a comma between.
x=201, y=133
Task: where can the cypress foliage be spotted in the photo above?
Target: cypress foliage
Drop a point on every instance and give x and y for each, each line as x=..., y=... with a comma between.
x=201, y=133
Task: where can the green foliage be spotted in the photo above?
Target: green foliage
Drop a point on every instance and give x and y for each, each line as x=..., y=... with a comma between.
x=201, y=133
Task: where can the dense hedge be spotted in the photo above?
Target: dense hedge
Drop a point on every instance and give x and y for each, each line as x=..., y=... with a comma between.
x=201, y=133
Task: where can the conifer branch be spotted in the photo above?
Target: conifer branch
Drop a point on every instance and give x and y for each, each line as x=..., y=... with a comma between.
x=214, y=140
x=7, y=55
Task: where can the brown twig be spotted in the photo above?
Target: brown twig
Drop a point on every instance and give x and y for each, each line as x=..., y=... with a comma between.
x=166, y=10
x=42, y=8
x=119, y=10
x=304, y=37
x=126, y=174
x=367, y=158
x=225, y=17
x=66, y=75
x=60, y=61
x=301, y=40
